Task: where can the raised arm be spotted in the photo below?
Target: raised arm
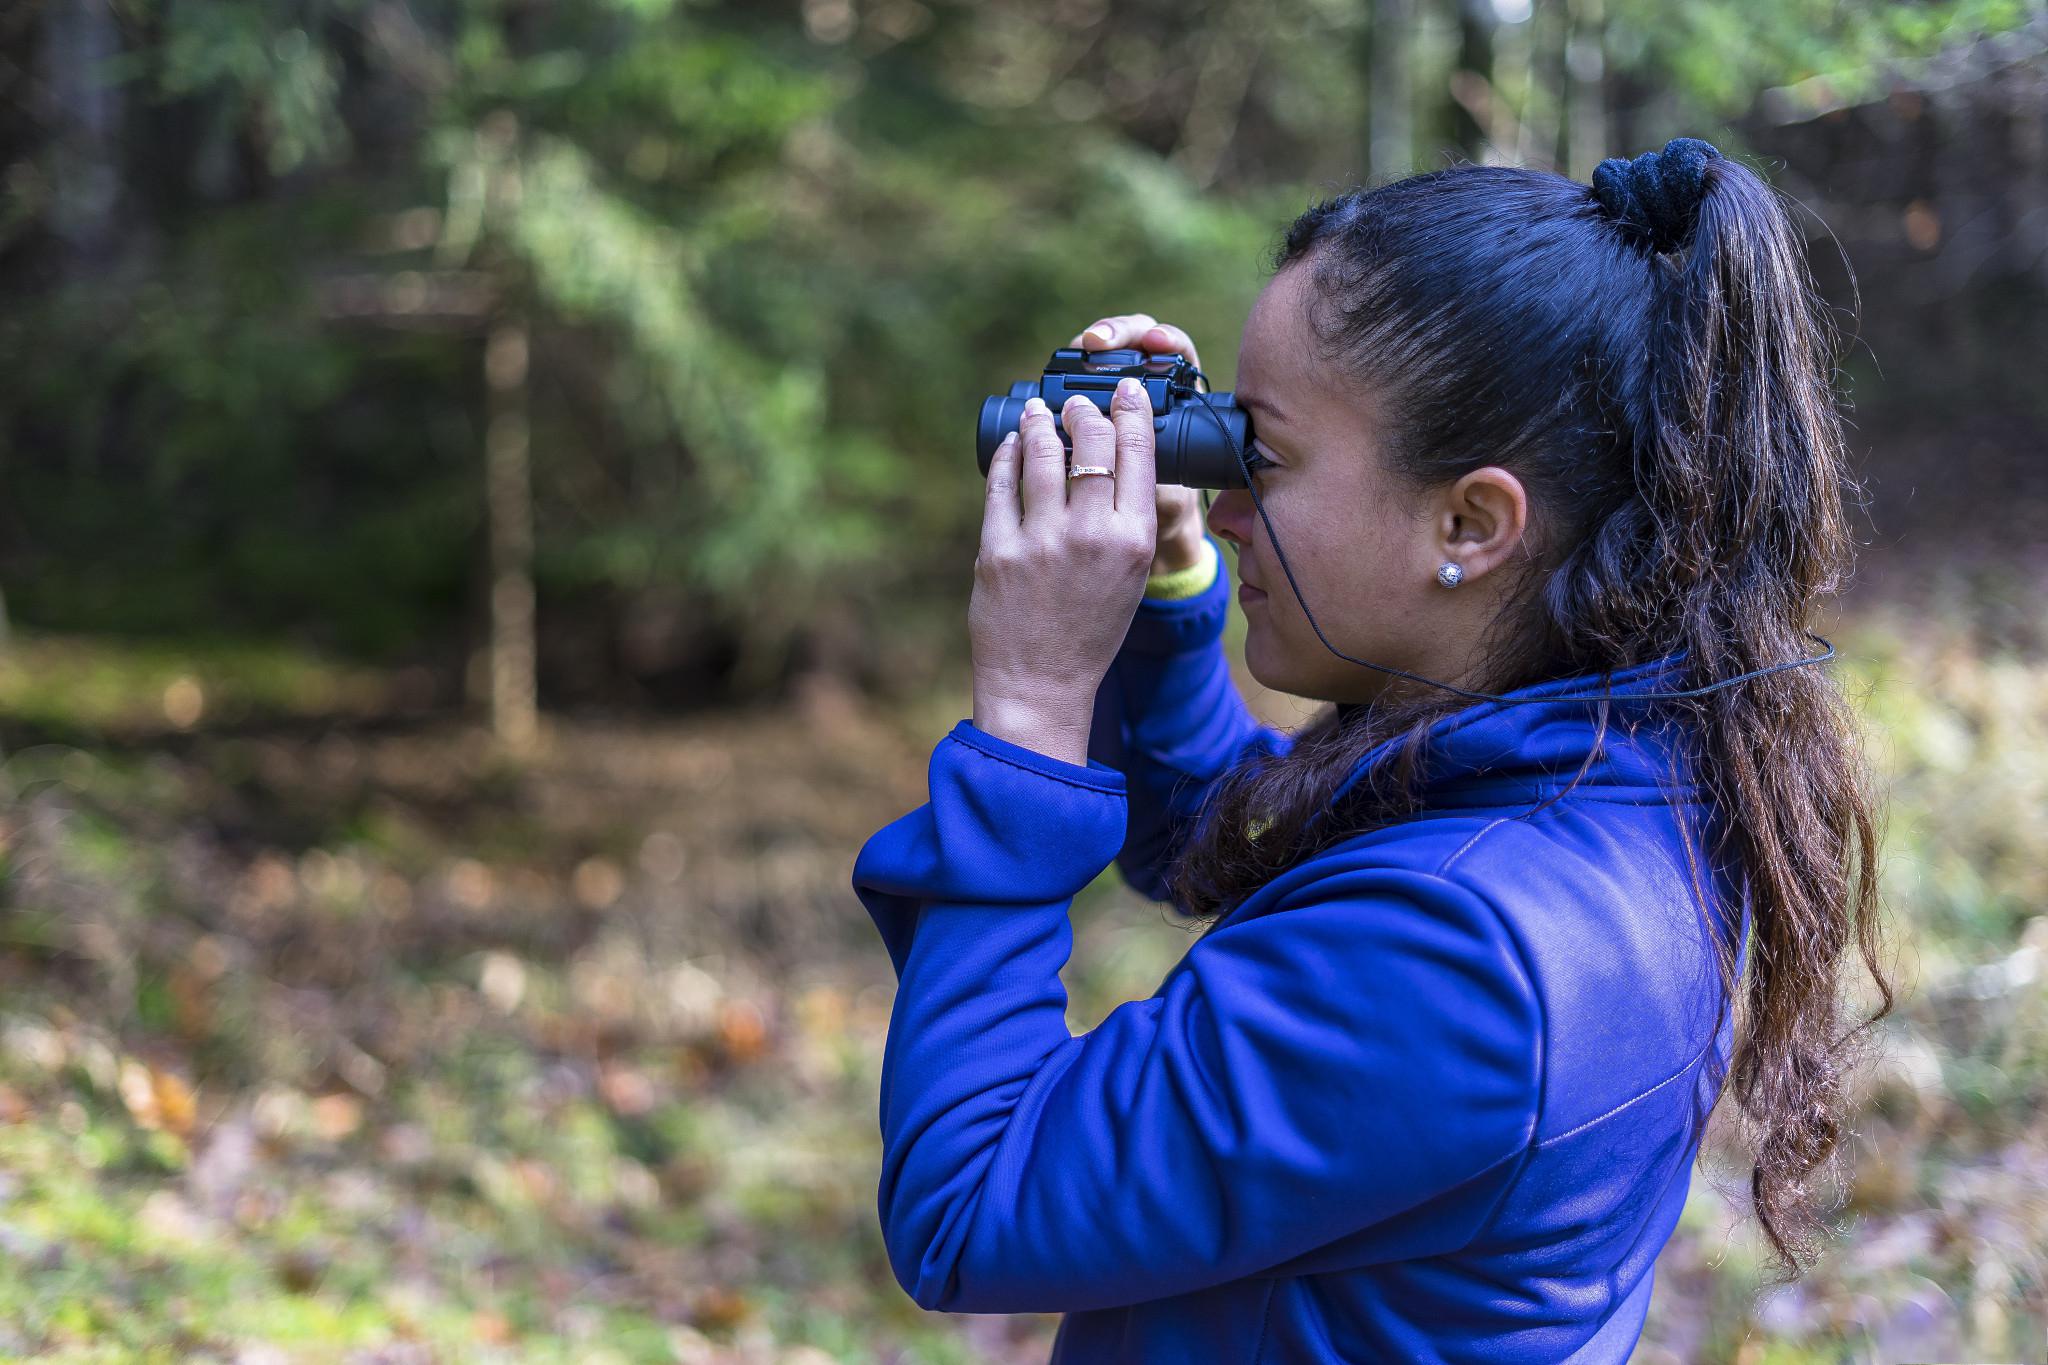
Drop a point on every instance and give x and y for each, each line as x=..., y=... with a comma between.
x=1169, y=717
x=1369, y=1043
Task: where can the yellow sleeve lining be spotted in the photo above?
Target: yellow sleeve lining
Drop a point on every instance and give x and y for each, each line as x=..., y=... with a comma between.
x=1189, y=582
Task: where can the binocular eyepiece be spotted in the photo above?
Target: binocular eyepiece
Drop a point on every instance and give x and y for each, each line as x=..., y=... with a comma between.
x=1198, y=437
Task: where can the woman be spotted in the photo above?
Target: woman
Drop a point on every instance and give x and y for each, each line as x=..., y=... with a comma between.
x=1431, y=1085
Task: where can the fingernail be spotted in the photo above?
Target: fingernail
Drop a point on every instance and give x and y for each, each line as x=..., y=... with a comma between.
x=1034, y=404
x=1006, y=443
x=1131, y=391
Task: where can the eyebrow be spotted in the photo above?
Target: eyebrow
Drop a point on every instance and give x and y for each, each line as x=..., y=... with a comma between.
x=1250, y=400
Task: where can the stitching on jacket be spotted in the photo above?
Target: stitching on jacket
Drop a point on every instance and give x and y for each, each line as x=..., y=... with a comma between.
x=1444, y=866
x=1583, y=792
x=1633, y=1099
x=1026, y=768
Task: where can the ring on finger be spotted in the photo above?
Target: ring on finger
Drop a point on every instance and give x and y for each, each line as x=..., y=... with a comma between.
x=1078, y=470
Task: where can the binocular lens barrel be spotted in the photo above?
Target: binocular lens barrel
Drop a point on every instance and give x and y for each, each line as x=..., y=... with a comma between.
x=1197, y=445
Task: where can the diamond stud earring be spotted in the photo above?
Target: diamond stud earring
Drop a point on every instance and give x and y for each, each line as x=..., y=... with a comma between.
x=1450, y=574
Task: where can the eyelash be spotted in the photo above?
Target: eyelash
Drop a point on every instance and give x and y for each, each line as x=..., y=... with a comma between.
x=1254, y=461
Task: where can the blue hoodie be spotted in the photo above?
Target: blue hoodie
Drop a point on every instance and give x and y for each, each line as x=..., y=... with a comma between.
x=1433, y=1093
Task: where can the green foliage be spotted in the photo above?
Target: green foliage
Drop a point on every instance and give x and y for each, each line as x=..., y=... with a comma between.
x=770, y=261
x=258, y=64
x=1723, y=52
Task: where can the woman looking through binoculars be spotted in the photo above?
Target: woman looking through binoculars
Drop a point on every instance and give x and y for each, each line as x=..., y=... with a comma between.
x=1431, y=1083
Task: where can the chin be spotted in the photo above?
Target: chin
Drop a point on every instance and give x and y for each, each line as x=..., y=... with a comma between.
x=1294, y=681
x=1263, y=670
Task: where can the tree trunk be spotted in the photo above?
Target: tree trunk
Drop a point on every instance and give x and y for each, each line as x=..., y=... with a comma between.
x=1472, y=82
x=82, y=105
x=1585, y=137
x=1543, y=144
x=1514, y=59
x=509, y=493
x=1390, y=147
x=508, y=485
x=1210, y=126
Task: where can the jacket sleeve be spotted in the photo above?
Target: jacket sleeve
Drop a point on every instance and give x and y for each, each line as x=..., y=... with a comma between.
x=1169, y=717
x=1370, y=1044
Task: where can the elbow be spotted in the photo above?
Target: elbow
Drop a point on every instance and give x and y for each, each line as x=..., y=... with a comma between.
x=941, y=1271
x=937, y=1297
x=915, y=1242
x=932, y=1286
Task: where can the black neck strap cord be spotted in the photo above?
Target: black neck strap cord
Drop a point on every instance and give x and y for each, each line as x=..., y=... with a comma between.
x=1259, y=503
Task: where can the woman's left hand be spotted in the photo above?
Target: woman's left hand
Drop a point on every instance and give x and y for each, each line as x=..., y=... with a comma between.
x=1061, y=570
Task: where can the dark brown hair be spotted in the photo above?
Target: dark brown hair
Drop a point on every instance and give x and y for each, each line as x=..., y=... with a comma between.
x=1667, y=404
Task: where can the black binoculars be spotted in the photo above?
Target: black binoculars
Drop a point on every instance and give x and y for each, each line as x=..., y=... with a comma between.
x=1199, y=437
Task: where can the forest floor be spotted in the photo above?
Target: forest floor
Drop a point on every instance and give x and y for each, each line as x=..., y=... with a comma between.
x=329, y=1035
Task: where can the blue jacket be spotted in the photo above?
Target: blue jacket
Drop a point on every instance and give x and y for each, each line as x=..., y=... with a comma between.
x=1432, y=1094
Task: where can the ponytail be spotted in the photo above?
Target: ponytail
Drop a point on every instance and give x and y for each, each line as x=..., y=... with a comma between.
x=1750, y=462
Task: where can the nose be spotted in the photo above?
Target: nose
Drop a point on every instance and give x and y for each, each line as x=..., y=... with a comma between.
x=1231, y=515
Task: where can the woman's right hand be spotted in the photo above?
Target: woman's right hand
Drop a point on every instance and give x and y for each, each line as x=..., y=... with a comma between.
x=1179, y=544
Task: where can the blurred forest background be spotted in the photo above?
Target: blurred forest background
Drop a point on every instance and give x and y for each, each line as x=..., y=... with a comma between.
x=487, y=518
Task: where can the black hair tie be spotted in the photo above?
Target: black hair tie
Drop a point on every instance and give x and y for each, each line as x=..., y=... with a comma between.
x=1656, y=197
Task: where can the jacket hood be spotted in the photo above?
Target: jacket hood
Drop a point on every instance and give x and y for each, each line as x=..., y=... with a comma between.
x=1495, y=753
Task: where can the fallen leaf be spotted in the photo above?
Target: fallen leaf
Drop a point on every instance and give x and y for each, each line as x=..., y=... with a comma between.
x=175, y=1102
x=13, y=1108
x=337, y=1116
x=157, y=1099
x=627, y=1090
x=719, y=1308
x=493, y=1329
x=742, y=1031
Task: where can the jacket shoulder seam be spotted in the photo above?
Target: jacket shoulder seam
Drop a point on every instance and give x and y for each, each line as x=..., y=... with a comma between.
x=1462, y=849
x=1634, y=1099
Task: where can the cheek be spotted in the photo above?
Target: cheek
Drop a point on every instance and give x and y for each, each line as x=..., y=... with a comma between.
x=1332, y=548
x=1380, y=535
x=1356, y=568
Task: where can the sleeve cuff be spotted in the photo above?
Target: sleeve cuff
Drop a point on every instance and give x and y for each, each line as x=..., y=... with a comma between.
x=1175, y=625
x=1188, y=582
x=1005, y=825
x=1099, y=776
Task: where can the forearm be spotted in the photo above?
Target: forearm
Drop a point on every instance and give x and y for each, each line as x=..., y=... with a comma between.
x=1170, y=717
x=1057, y=729
x=1186, y=564
x=1179, y=551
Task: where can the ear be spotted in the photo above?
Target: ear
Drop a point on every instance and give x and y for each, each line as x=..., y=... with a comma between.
x=1481, y=520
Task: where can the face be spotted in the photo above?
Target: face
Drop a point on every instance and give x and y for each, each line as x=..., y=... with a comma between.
x=1364, y=550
